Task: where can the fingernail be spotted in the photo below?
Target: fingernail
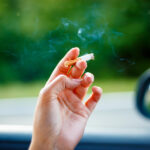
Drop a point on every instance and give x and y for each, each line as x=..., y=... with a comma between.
x=78, y=64
x=89, y=78
x=81, y=64
x=98, y=89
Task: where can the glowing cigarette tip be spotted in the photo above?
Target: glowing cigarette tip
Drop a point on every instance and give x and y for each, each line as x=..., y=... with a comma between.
x=86, y=57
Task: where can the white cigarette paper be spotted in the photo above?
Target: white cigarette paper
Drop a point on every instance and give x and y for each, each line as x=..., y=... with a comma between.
x=86, y=57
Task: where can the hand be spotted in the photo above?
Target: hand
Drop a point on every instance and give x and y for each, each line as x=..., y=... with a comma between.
x=61, y=116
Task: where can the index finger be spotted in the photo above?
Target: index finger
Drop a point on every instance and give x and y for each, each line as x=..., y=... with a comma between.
x=60, y=68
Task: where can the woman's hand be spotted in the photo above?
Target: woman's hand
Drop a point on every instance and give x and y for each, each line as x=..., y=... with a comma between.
x=61, y=116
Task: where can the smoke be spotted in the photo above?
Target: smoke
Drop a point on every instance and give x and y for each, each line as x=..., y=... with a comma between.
x=90, y=37
x=91, y=33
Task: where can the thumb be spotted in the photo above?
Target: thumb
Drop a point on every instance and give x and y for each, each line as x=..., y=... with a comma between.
x=60, y=83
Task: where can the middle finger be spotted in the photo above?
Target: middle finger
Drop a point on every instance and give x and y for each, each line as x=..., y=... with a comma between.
x=78, y=69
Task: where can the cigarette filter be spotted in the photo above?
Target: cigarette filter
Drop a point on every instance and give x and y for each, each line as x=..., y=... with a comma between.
x=86, y=57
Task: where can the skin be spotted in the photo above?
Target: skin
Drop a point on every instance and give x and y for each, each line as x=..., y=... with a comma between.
x=61, y=116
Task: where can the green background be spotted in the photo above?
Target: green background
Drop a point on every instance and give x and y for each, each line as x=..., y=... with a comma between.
x=35, y=35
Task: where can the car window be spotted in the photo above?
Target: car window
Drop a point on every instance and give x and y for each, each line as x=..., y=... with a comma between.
x=35, y=35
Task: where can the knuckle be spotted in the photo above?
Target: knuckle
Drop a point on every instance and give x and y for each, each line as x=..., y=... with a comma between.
x=42, y=92
x=62, y=77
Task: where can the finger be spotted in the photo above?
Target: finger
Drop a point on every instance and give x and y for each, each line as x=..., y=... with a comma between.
x=92, y=101
x=63, y=81
x=74, y=103
x=88, y=78
x=60, y=83
x=82, y=89
x=78, y=69
x=60, y=68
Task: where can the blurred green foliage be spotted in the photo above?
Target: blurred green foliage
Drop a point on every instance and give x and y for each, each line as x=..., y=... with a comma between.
x=34, y=36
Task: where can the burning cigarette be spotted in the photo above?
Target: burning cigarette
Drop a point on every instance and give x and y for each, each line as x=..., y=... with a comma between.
x=86, y=57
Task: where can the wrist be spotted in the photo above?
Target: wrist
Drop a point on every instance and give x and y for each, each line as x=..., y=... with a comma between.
x=63, y=146
x=35, y=145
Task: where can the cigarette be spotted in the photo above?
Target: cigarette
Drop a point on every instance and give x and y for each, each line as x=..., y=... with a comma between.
x=86, y=57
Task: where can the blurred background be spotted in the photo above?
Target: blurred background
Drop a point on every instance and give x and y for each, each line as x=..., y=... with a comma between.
x=35, y=35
